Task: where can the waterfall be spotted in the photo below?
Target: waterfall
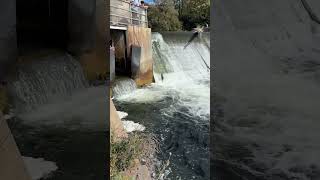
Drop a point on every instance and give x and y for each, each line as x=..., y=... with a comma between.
x=45, y=80
x=123, y=86
x=186, y=70
x=176, y=108
x=174, y=65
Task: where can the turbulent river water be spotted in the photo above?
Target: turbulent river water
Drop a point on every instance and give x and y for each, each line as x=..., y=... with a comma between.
x=266, y=96
x=59, y=118
x=176, y=107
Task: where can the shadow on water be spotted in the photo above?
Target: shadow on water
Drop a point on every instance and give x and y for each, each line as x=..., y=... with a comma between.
x=60, y=118
x=77, y=153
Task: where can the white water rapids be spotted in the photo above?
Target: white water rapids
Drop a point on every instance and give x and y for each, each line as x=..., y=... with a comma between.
x=177, y=106
x=178, y=70
x=267, y=90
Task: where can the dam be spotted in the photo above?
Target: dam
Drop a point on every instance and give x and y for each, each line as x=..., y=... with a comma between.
x=176, y=107
x=131, y=41
x=163, y=87
x=53, y=67
x=265, y=119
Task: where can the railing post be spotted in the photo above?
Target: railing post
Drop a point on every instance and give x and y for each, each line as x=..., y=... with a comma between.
x=130, y=10
x=138, y=17
x=146, y=13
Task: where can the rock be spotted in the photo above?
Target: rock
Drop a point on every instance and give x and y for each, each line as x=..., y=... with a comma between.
x=116, y=125
x=140, y=172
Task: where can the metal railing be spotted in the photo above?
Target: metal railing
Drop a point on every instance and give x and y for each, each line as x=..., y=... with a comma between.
x=123, y=13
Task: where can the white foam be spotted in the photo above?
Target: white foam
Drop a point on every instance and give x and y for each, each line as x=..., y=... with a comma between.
x=131, y=126
x=186, y=79
x=122, y=114
x=39, y=168
x=84, y=109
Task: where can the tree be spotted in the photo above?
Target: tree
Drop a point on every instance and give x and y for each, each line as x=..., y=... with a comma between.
x=194, y=13
x=173, y=15
x=163, y=16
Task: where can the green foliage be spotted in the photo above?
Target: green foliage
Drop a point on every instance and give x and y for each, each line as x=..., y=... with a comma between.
x=173, y=15
x=195, y=13
x=164, y=17
x=123, y=153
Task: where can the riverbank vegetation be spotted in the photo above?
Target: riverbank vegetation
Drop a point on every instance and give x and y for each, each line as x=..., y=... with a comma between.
x=175, y=15
x=126, y=154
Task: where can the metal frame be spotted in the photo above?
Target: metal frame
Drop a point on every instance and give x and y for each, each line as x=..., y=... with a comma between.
x=118, y=14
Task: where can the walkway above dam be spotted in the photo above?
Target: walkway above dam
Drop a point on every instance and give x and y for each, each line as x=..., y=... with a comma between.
x=124, y=14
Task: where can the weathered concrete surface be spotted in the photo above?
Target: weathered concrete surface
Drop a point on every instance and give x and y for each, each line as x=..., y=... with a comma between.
x=12, y=166
x=135, y=60
x=115, y=20
x=118, y=38
x=112, y=65
x=94, y=58
x=140, y=36
x=116, y=126
x=8, y=37
x=81, y=25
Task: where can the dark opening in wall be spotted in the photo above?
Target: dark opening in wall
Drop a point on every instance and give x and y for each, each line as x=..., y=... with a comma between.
x=42, y=24
x=122, y=63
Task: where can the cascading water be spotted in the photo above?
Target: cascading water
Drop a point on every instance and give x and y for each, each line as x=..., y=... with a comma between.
x=58, y=115
x=45, y=80
x=176, y=107
x=266, y=96
x=123, y=86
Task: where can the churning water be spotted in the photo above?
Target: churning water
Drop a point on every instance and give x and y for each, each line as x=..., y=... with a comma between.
x=176, y=107
x=266, y=101
x=46, y=79
x=59, y=117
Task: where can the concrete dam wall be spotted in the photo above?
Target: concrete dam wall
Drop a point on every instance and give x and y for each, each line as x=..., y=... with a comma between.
x=77, y=27
x=48, y=52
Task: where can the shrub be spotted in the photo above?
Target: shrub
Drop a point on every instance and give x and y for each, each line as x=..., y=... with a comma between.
x=123, y=153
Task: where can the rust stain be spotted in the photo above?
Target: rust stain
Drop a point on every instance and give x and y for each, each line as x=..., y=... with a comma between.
x=141, y=36
x=145, y=78
x=94, y=65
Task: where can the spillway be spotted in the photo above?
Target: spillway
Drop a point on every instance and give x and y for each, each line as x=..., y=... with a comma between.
x=45, y=80
x=57, y=115
x=176, y=108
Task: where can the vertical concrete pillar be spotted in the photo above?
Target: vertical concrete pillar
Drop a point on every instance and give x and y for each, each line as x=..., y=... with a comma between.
x=81, y=25
x=88, y=36
x=135, y=61
x=116, y=126
x=12, y=166
x=112, y=65
x=141, y=37
x=8, y=35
